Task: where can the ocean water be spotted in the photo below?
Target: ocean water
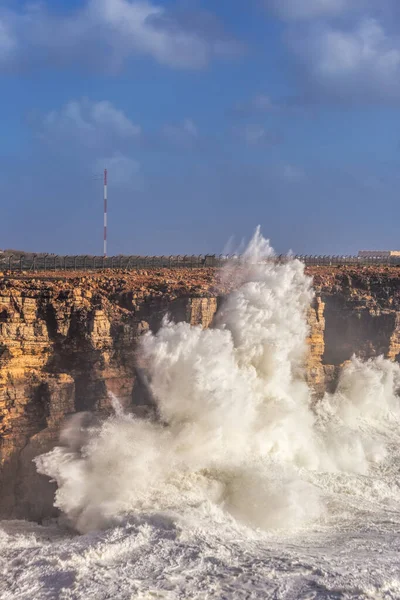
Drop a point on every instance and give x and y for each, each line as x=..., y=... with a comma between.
x=243, y=486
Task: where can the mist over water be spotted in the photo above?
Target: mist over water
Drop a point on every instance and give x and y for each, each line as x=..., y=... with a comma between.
x=243, y=486
x=238, y=433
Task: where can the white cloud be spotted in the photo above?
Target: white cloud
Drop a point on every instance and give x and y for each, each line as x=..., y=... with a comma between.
x=292, y=173
x=311, y=9
x=347, y=50
x=254, y=134
x=142, y=27
x=183, y=134
x=258, y=104
x=104, y=114
x=96, y=134
x=89, y=123
x=107, y=33
x=122, y=170
x=8, y=42
x=190, y=128
x=102, y=129
x=262, y=102
x=361, y=62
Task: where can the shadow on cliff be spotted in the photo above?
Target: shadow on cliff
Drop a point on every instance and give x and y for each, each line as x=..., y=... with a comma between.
x=77, y=377
x=23, y=492
x=350, y=330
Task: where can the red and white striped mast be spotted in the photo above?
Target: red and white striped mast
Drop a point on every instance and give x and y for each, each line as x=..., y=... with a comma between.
x=105, y=212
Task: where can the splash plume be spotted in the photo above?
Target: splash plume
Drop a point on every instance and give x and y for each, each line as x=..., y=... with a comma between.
x=237, y=430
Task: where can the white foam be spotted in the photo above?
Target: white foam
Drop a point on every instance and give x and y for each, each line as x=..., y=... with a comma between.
x=237, y=431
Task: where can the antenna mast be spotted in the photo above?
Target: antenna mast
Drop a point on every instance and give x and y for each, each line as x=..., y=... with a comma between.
x=105, y=211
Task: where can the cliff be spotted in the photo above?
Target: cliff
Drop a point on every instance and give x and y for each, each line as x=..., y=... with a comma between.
x=356, y=311
x=67, y=341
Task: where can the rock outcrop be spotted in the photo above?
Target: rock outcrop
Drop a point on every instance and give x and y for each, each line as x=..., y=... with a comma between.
x=356, y=312
x=66, y=342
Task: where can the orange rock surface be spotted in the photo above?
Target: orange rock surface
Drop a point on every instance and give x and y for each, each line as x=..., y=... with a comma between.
x=68, y=339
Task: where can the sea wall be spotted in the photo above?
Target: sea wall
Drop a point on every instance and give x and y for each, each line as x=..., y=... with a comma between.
x=66, y=342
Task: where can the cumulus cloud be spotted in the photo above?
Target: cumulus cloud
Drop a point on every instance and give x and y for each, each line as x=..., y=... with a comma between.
x=260, y=103
x=88, y=123
x=107, y=33
x=346, y=50
x=8, y=42
x=292, y=9
x=123, y=170
x=182, y=134
x=255, y=134
x=308, y=10
x=359, y=62
x=96, y=134
x=293, y=173
x=311, y=9
x=100, y=128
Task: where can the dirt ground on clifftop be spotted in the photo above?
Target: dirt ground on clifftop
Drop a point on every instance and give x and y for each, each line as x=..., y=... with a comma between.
x=192, y=282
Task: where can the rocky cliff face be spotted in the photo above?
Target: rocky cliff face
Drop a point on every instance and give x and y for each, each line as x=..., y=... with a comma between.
x=66, y=342
x=64, y=345
x=356, y=311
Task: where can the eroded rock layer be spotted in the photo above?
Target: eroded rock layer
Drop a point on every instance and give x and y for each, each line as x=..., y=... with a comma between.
x=67, y=341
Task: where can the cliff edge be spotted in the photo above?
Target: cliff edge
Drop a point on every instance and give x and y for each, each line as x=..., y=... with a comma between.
x=67, y=341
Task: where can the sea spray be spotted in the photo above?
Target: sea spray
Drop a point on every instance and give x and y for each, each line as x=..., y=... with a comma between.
x=237, y=430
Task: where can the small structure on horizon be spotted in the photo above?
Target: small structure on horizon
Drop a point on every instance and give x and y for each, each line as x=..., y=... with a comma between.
x=378, y=253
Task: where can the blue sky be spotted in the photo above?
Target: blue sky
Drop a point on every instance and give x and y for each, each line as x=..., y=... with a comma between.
x=212, y=116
